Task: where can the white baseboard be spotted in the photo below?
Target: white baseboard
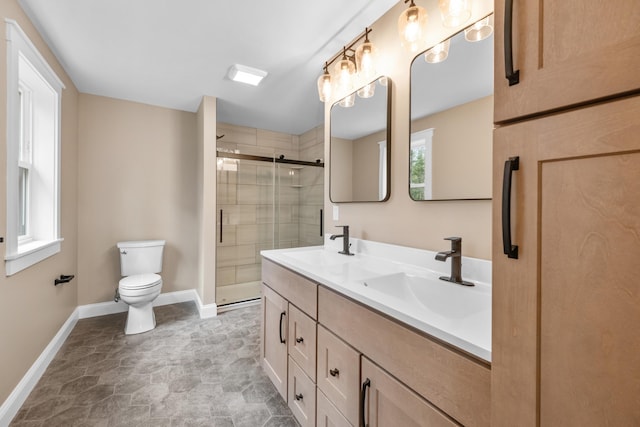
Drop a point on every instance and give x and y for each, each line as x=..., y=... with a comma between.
x=206, y=310
x=14, y=402
x=16, y=399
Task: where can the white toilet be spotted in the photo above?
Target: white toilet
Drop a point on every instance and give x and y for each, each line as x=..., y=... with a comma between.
x=140, y=261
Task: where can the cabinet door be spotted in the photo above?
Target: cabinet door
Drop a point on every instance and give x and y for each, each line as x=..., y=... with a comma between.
x=567, y=52
x=565, y=312
x=302, y=341
x=328, y=415
x=339, y=373
x=274, y=338
x=387, y=402
x=302, y=395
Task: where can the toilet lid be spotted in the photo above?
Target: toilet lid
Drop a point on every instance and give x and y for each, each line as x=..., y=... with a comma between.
x=140, y=281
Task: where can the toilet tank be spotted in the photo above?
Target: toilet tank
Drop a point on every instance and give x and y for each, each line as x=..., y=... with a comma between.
x=140, y=257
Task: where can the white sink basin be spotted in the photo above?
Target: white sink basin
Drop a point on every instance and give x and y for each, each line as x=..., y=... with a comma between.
x=430, y=293
x=319, y=257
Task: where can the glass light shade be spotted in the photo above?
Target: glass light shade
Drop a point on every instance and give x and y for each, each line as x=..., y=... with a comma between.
x=348, y=101
x=412, y=27
x=324, y=87
x=344, y=71
x=480, y=30
x=383, y=81
x=367, y=91
x=454, y=12
x=366, y=58
x=438, y=53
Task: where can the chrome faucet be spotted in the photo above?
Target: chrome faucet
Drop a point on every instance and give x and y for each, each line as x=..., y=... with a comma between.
x=345, y=240
x=456, y=261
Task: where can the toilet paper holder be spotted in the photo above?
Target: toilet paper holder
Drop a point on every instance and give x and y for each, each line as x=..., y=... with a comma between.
x=63, y=279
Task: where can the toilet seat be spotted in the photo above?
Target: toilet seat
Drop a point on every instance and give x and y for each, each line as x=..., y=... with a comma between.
x=139, y=282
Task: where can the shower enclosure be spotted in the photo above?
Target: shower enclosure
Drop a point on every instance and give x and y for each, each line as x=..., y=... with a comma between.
x=264, y=202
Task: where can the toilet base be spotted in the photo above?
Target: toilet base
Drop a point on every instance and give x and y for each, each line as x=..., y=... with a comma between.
x=140, y=318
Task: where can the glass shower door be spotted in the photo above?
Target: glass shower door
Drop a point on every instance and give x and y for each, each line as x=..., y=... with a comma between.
x=246, y=212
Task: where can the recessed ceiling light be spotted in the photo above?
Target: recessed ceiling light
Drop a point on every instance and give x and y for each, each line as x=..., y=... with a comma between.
x=244, y=74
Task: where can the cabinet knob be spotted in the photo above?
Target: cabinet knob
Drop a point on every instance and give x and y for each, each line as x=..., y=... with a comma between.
x=334, y=372
x=299, y=340
x=298, y=396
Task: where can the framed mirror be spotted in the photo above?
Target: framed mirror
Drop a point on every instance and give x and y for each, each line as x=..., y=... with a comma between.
x=452, y=121
x=359, y=146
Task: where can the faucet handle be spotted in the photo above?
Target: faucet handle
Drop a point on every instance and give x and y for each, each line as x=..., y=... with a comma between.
x=456, y=243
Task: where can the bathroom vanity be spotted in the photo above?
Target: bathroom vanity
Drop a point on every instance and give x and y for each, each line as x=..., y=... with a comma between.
x=376, y=337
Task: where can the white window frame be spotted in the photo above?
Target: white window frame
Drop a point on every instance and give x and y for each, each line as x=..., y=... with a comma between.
x=424, y=138
x=24, y=251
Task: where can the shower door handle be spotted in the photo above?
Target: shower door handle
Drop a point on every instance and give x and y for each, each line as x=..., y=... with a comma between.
x=321, y=223
x=220, y=225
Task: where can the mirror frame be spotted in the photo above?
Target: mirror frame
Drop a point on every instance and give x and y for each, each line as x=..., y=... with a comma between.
x=417, y=57
x=388, y=136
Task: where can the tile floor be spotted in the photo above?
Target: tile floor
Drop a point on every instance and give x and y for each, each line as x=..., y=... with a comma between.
x=186, y=372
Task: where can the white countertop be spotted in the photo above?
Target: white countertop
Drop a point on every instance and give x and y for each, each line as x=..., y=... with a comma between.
x=403, y=283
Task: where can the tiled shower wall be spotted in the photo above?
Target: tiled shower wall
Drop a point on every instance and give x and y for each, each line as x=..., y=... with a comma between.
x=246, y=197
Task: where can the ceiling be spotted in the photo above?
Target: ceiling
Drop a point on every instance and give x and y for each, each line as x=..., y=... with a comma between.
x=172, y=52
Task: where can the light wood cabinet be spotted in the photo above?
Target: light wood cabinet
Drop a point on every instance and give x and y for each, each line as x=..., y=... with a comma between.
x=339, y=373
x=273, y=349
x=328, y=415
x=567, y=52
x=389, y=403
x=302, y=341
x=302, y=395
x=456, y=383
x=566, y=310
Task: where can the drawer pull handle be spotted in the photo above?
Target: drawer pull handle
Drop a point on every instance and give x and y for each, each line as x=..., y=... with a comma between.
x=363, y=400
x=298, y=396
x=299, y=340
x=512, y=75
x=334, y=372
x=513, y=164
x=282, y=340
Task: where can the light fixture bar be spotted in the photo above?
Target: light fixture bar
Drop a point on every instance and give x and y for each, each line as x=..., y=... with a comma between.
x=349, y=47
x=244, y=74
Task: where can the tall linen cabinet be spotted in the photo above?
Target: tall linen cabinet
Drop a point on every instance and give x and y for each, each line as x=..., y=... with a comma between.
x=566, y=214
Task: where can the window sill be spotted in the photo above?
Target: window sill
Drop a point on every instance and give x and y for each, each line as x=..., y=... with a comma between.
x=29, y=254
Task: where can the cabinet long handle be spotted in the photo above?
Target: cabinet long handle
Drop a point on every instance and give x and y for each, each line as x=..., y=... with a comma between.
x=513, y=164
x=282, y=340
x=512, y=76
x=363, y=401
x=220, y=225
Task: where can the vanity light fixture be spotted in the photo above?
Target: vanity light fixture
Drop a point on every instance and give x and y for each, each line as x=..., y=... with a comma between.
x=352, y=66
x=243, y=74
x=324, y=85
x=480, y=30
x=438, y=53
x=412, y=26
x=366, y=58
x=344, y=70
x=454, y=12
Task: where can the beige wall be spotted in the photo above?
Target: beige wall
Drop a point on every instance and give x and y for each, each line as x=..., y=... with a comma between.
x=32, y=310
x=137, y=165
x=462, y=142
x=366, y=166
x=401, y=220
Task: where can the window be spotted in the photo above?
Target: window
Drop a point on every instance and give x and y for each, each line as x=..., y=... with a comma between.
x=420, y=185
x=34, y=94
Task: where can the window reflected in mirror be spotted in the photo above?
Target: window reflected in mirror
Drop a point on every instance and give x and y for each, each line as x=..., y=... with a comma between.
x=452, y=121
x=359, y=145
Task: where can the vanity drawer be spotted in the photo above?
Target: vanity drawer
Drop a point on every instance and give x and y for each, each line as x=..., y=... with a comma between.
x=328, y=415
x=302, y=292
x=457, y=384
x=302, y=341
x=339, y=373
x=302, y=395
